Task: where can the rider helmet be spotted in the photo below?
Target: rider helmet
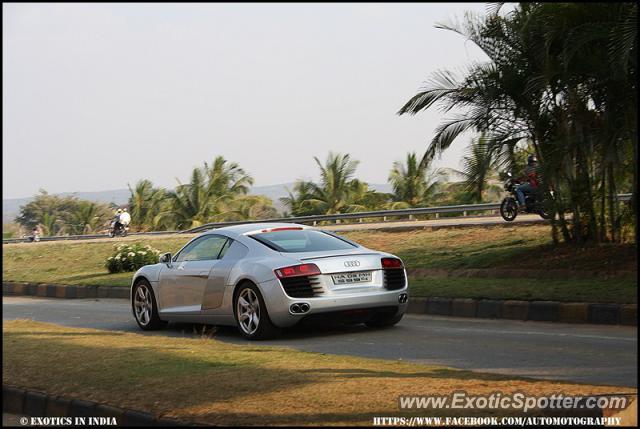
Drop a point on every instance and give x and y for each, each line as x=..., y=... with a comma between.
x=119, y=211
x=531, y=159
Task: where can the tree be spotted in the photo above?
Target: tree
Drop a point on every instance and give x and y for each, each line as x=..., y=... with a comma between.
x=563, y=77
x=251, y=207
x=337, y=192
x=479, y=164
x=414, y=184
x=87, y=217
x=60, y=215
x=208, y=195
x=147, y=205
x=302, y=191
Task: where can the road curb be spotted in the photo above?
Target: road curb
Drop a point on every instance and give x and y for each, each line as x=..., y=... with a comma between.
x=573, y=312
x=539, y=311
x=606, y=314
x=37, y=404
x=515, y=310
x=45, y=290
x=629, y=314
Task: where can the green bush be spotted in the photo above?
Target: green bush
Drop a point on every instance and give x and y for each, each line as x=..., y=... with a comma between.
x=130, y=257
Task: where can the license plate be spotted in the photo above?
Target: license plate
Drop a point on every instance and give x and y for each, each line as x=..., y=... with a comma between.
x=349, y=278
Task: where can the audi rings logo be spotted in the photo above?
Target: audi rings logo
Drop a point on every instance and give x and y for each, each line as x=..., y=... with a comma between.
x=352, y=263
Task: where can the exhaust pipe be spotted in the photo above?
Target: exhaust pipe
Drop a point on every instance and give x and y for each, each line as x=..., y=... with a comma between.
x=402, y=298
x=299, y=308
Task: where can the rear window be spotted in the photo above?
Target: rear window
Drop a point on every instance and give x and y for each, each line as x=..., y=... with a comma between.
x=304, y=240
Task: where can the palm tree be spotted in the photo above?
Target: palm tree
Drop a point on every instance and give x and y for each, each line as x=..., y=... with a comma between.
x=414, y=185
x=208, y=194
x=332, y=194
x=226, y=178
x=479, y=165
x=302, y=191
x=337, y=192
x=251, y=207
x=146, y=204
x=559, y=76
x=364, y=198
x=87, y=217
x=51, y=224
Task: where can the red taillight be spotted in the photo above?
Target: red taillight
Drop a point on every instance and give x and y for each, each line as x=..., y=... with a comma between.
x=391, y=263
x=298, y=270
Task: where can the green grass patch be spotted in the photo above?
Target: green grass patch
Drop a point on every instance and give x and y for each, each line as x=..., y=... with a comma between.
x=77, y=263
x=616, y=291
x=218, y=383
x=520, y=247
x=528, y=247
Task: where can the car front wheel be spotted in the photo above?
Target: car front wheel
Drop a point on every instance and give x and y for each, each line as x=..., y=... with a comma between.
x=145, y=308
x=251, y=314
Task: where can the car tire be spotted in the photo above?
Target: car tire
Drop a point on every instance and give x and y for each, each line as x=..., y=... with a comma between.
x=247, y=304
x=384, y=321
x=145, y=307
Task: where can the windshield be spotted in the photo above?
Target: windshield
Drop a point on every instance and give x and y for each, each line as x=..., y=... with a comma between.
x=303, y=240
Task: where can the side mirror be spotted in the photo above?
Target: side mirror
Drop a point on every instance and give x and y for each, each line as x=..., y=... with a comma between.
x=166, y=258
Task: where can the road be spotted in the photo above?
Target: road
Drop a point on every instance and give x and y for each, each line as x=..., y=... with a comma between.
x=579, y=353
x=391, y=225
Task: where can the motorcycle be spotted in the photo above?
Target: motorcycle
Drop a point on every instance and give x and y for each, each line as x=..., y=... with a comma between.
x=509, y=205
x=120, y=230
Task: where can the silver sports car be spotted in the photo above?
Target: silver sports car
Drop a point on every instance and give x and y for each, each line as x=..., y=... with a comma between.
x=262, y=277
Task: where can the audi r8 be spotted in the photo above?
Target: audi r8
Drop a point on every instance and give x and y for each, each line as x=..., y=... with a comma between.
x=264, y=277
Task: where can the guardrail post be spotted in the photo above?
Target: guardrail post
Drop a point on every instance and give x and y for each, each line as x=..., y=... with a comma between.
x=360, y=220
x=314, y=223
x=410, y=217
x=464, y=213
x=437, y=215
x=384, y=218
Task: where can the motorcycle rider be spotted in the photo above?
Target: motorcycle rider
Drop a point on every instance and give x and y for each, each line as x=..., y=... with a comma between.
x=531, y=184
x=125, y=218
x=116, y=220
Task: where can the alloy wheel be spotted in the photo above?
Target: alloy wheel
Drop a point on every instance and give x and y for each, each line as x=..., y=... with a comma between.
x=143, y=304
x=248, y=311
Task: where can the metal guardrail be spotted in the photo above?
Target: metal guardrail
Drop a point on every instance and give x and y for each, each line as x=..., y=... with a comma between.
x=83, y=237
x=464, y=209
x=314, y=219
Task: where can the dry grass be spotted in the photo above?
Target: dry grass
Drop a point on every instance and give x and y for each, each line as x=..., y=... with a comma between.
x=218, y=383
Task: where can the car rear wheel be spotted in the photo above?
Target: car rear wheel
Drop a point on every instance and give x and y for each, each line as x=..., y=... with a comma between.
x=251, y=314
x=384, y=321
x=145, y=308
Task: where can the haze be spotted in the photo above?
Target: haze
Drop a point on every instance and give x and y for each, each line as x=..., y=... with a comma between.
x=96, y=96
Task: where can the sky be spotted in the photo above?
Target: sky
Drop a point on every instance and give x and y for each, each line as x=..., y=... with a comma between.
x=96, y=96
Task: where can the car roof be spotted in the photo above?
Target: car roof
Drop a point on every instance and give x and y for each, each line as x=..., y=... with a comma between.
x=248, y=227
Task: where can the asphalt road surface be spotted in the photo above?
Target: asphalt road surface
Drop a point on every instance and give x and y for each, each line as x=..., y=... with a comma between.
x=597, y=354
